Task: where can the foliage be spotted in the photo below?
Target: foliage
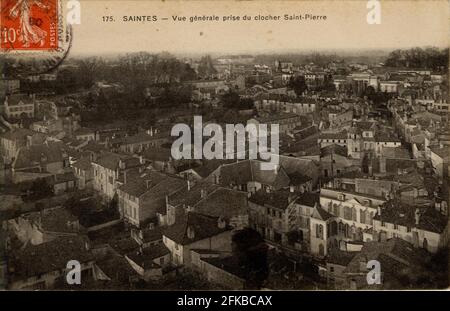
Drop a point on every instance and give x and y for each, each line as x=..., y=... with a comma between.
x=232, y=100
x=251, y=251
x=433, y=58
x=41, y=189
x=298, y=84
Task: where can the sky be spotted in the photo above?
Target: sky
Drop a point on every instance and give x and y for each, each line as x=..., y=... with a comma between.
x=403, y=24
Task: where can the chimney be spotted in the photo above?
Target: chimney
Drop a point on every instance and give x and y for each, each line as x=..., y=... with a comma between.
x=291, y=188
x=202, y=193
x=379, y=210
x=87, y=246
x=141, y=160
x=167, y=200
x=189, y=185
x=151, y=226
x=417, y=216
x=216, y=179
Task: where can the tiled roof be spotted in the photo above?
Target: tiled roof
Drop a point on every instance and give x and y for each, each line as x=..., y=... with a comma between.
x=202, y=226
x=83, y=164
x=144, y=258
x=278, y=199
x=395, y=152
x=15, y=99
x=329, y=135
x=35, y=260
x=111, y=160
x=333, y=149
x=54, y=220
x=33, y=155
x=308, y=199
x=443, y=152
x=192, y=196
x=339, y=257
x=157, y=154
x=250, y=170
x=17, y=134
x=83, y=131
x=322, y=214
x=401, y=214
x=60, y=178
x=399, y=251
x=223, y=202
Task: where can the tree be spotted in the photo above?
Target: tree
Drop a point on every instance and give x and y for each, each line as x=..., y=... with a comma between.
x=41, y=189
x=251, y=252
x=230, y=100
x=205, y=67
x=298, y=84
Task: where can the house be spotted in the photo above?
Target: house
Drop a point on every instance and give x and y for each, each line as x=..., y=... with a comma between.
x=273, y=215
x=38, y=161
x=84, y=134
x=423, y=227
x=142, y=197
x=344, y=216
x=286, y=121
x=389, y=86
x=248, y=176
x=160, y=159
x=109, y=172
x=19, y=105
x=150, y=263
x=334, y=161
x=210, y=199
x=439, y=156
x=336, y=263
x=398, y=259
x=329, y=138
x=320, y=221
x=9, y=86
x=84, y=173
x=141, y=141
x=196, y=231
x=284, y=104
x=41, y=266
x=12, y=141
x=60, y=183
x=47, y=225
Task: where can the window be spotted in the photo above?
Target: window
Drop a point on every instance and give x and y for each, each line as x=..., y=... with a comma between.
x=395, y=227
x=331, y=269
x=319, y=231
x=383, y=224
x=408, y=229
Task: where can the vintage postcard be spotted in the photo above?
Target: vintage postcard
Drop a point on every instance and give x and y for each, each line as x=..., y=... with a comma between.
x=224, y=145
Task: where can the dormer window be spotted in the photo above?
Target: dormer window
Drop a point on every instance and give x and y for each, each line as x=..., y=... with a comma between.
x=341, y=197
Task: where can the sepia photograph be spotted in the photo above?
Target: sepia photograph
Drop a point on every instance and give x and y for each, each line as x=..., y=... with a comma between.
x=224, y=146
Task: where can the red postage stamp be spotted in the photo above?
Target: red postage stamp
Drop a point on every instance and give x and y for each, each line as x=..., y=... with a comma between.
x=29, y=25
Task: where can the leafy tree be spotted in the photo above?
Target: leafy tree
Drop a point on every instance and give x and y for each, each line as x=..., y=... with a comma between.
x=251, y=251
x=205, y=67
x=298, y=84
x=41, y=189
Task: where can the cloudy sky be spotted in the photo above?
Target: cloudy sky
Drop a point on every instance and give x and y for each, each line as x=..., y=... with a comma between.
x=403, y=24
